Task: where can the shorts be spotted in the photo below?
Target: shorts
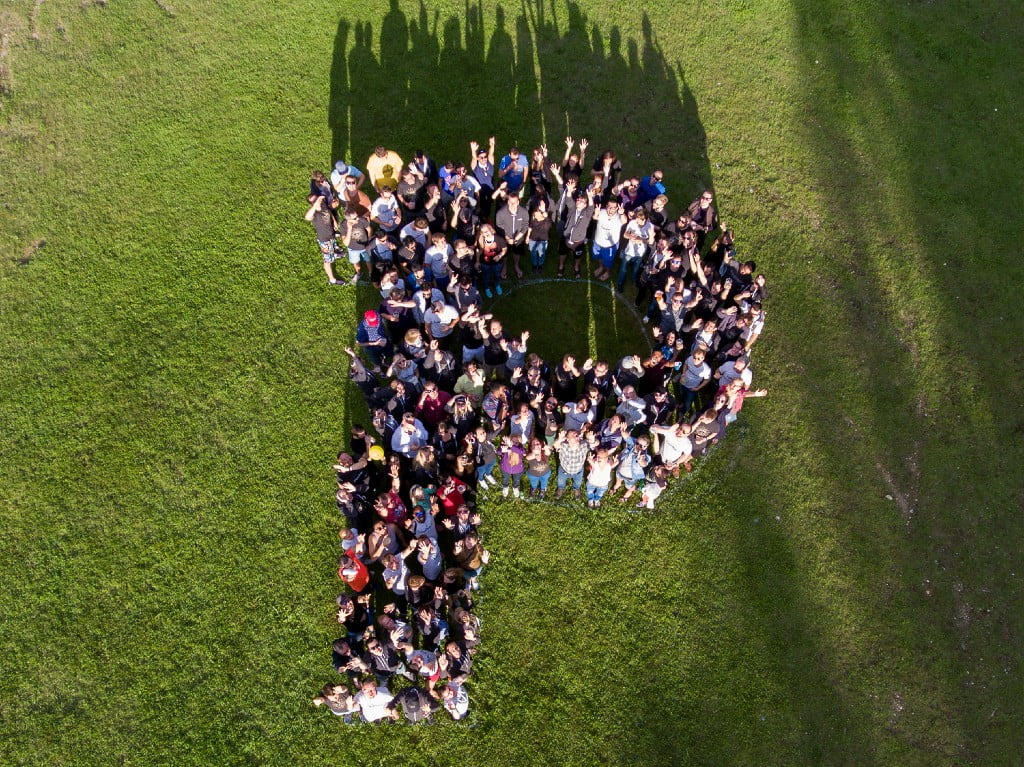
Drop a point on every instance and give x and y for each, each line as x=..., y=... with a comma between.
x=605, y=255
x=327, y=251
x=355, y=256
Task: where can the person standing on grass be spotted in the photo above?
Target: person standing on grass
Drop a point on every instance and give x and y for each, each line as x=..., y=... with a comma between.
x=538, y=235
x=354, y=198
x=657, y=482
x=633, y=464
x=572, y=453
x=513, y=223
x=639, y=239
x=490, y=255
x=471, y=556
x=695, y=376
x=606, y=168
x=573, y=163
x=538, y=467
x=608, y=229
x=482, y=167
x=416, y=704
x=512, y=466
x=374, y=702
x=371, y=337
x=410, y=193
x=383, y=167
x=337, y=699
x=705, y=431
x=356, y=236
x=575, y=212
x=512, y=171
x=703, y=218
x=735, y=393
x=652, y=187
x=486, y=456
x=455, y=700
x=320, y=216
x=345, y=172
x=602, y=463
x=676, y=449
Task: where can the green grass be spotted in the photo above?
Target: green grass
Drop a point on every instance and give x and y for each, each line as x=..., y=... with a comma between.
x=173, y=386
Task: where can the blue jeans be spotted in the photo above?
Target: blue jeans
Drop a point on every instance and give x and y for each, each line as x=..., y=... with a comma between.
x=511, y=480
x=490, y=276
x=539, y=483
x=628, y=267
x=595, y=492
x=484, y=471
x=689, y=395
x=473, y=354
x=538, y=252
x=564, y=476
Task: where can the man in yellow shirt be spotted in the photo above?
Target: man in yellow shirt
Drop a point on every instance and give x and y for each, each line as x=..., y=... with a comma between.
x=383, y=168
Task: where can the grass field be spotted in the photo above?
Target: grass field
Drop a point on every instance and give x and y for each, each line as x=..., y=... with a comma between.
x=839, y=583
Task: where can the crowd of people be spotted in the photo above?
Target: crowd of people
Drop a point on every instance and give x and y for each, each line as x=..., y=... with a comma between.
x=461, y=407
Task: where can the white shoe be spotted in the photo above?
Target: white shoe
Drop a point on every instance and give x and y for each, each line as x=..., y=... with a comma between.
x=504, y=491
x=515, y=492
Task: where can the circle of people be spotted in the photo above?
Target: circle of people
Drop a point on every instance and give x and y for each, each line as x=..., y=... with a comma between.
x=454, y=395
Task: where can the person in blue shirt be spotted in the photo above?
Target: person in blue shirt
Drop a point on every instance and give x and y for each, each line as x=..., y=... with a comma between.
x=651, y=186
x=512, y=170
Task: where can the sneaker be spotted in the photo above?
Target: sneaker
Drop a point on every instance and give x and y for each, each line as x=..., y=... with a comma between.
x=497, y=289
x=646, y=320
x=487, y=293
x=560, y=492
x=504, y=491
x=515, y=492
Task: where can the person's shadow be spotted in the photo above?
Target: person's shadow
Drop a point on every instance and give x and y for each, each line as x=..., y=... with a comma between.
x=422, y=82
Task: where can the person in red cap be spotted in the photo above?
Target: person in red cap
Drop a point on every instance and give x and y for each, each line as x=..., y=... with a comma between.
x=371, y=336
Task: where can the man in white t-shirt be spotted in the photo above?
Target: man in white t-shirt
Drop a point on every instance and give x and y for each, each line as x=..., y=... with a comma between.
x=384, y=212
x=608, y=225
x=455, y=700
x=373, y=702
x=676, y=448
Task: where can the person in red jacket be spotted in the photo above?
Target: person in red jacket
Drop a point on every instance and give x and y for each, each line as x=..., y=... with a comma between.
x=451, y=495
x=353, y=572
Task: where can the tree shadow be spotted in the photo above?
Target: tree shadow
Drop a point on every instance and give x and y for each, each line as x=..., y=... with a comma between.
x=432, y=83
x=914, y=164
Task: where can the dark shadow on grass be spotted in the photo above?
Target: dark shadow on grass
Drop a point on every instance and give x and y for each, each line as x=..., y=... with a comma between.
x=918, y=171
x=549, y=72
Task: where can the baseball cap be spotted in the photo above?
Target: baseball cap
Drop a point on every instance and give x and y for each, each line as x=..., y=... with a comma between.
x=372, y=318
x=341, y=167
